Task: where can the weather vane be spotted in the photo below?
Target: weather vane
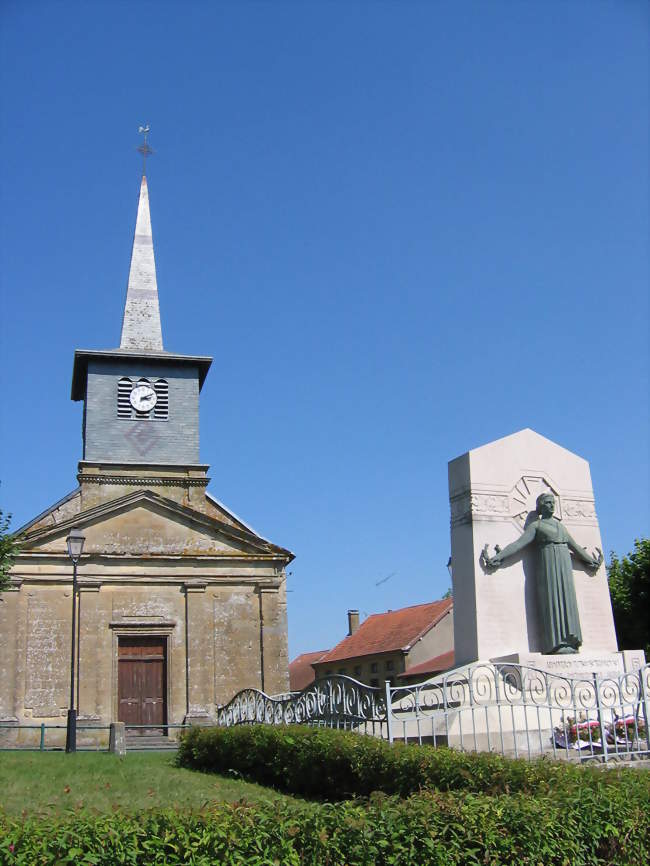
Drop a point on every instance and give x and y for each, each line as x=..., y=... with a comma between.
x=144, y=148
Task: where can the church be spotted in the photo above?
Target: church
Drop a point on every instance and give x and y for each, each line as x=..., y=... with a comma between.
x=180, y=604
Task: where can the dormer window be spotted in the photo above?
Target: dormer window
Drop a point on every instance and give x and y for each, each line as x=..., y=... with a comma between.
x=143, y=399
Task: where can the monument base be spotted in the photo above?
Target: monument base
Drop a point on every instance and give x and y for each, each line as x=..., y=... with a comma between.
x=581, y=664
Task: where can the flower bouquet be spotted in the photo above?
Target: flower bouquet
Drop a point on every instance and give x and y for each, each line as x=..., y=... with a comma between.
x=578, y=734
x=626, y=731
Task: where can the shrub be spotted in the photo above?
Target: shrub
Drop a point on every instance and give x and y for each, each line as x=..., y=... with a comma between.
x=334, y=765
x=450, y=828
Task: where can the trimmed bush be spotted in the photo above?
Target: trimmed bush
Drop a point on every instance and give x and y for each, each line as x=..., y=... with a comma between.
x=471, y=810
x=445, y=829
x=335, y=765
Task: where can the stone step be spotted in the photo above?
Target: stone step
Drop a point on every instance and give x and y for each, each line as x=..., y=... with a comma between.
x=139, y=743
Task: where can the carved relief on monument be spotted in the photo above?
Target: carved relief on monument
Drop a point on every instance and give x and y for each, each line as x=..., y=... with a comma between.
x=516, y=505
x=580, y=511
x=470, y=505
x=524, y=496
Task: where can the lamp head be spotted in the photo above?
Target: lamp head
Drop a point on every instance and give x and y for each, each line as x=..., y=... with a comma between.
x=75, y=542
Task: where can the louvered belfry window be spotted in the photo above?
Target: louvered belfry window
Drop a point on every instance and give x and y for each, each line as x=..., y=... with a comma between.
x=124, y=408
x=160, y=411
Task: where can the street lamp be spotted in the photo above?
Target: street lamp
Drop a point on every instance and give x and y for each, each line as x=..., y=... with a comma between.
x=75, y=543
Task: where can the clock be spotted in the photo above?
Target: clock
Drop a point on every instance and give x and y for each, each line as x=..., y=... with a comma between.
x=143, y=398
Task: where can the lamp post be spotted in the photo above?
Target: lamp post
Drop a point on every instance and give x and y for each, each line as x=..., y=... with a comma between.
x=75, y=541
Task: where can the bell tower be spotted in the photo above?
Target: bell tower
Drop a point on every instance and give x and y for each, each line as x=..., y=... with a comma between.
x=141, y=403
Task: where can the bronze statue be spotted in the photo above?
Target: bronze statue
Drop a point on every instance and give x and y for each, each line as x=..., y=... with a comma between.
x=556, y=594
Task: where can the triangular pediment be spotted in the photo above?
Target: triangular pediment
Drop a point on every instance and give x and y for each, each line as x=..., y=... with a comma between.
x=145, y=524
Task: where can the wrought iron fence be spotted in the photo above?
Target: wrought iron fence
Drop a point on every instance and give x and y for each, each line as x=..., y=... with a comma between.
x=507, y=708
x=526, y=712
x=336, y=702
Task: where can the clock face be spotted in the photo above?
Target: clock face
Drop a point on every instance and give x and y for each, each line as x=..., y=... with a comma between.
x=143, y=398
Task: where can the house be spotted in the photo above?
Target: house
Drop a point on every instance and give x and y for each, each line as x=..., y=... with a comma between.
x=301, y=671
x=427, y=669
x=387, y=645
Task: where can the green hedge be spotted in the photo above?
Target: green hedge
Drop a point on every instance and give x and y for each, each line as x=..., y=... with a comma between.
x=478, y=809
x=334, y=765
x=430, y=828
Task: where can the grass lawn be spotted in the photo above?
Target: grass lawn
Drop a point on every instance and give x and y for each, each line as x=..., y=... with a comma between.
x=53, y=782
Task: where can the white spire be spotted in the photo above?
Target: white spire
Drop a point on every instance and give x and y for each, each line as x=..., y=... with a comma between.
x=141, y=324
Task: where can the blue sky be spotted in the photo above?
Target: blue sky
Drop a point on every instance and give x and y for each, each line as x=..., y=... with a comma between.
x=401, y=229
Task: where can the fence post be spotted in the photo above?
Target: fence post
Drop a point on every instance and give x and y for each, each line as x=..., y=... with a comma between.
x=601, y=720
x=389, y=720
x=646, y=714
x=41, y=746
x=117, y=738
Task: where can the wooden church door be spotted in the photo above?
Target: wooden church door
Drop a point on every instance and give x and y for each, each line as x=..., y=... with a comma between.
x=141, y=683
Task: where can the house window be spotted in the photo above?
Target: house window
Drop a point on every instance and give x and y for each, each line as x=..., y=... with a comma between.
x=158, y=412
x=374, y=667
x=389, y=664
x=341, y=671
x=357, y=670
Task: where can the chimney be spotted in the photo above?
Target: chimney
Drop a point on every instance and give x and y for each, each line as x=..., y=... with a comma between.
x=353, y=621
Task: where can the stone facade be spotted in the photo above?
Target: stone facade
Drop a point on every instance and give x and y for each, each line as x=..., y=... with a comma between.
x=213, y=589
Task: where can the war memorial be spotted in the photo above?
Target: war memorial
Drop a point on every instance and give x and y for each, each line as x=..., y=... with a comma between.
x=537, y=669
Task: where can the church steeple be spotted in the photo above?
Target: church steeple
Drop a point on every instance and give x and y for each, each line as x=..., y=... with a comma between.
x=141, y=323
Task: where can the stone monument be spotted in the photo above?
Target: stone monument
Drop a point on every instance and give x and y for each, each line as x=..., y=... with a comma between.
x=529, y=582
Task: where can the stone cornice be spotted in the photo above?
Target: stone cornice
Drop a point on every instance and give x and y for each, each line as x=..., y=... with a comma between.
x=264, y=583
x=188, y=559
x=142, y=623
x=195, y=585
x=143, y=480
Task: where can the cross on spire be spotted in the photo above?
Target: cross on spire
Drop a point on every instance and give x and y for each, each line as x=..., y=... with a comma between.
x=144, y=148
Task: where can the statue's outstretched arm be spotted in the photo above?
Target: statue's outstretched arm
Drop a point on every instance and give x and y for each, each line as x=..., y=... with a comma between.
x=496, y=561
x=581, y=552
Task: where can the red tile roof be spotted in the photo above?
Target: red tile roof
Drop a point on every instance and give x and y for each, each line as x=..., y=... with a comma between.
x=301, y=672
x=436, y=665
x=386, y=632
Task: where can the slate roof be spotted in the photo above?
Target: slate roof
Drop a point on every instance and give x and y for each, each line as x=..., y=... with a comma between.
x=301, y=672
x=436, y=665
x=390, y=631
